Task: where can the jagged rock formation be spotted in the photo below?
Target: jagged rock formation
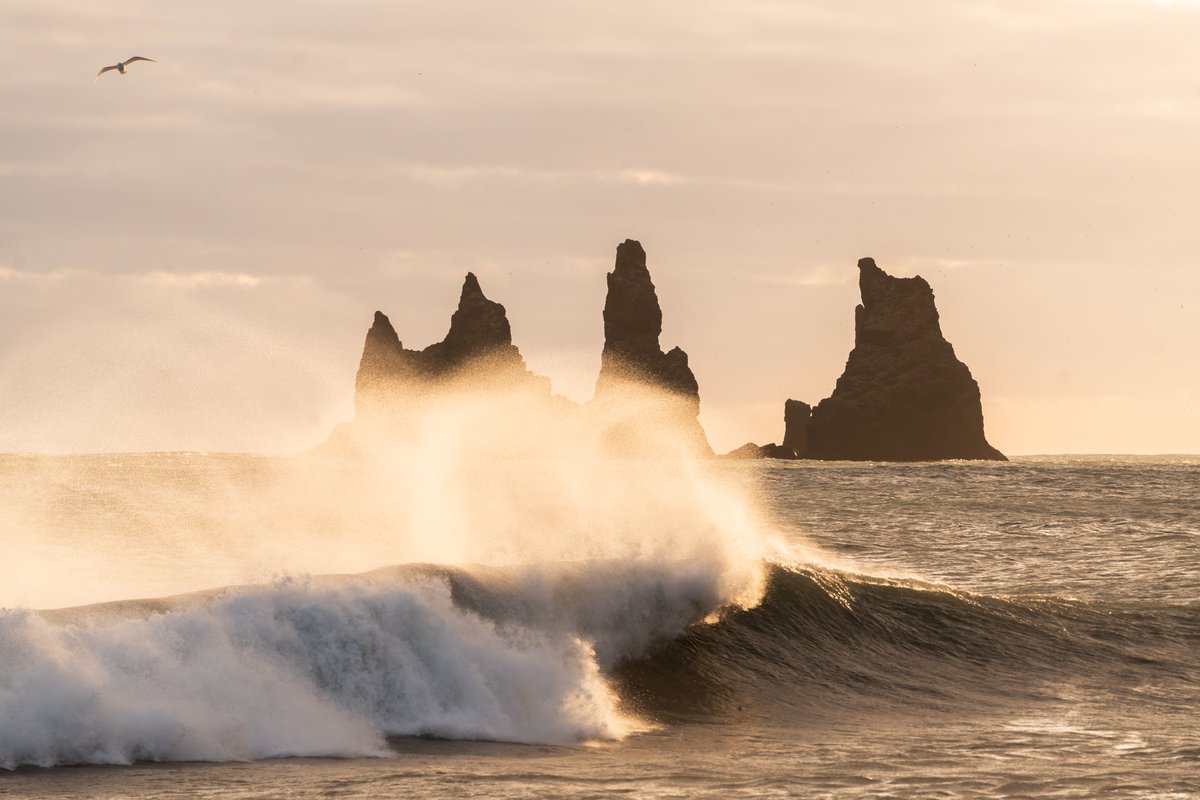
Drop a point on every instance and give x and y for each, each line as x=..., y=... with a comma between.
x=796, y=416
x=904, y=396
x=795, y=436
x=632, y=355
x=632, y=325
x=480, y=339
x=750, y=451
x=381, y=369
x=647, y=402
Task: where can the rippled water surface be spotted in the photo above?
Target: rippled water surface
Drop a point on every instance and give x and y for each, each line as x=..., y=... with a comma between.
x=1098, y=527
x=1024, y=629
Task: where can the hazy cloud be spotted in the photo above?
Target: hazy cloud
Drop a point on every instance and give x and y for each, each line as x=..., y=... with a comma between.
x=194, y=280
x=757, y=149
x=10, y=274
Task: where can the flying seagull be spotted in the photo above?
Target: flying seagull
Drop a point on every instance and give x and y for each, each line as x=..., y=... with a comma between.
x=120, y=66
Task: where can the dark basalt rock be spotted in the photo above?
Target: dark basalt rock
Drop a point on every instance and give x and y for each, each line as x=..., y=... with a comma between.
x=632, y=325
x=479, y=337
x=647, y=401
x=796, y=416
x=750, y=451
x=478, y=329
x=904, y=396
x=632, y=355
x=383, y=366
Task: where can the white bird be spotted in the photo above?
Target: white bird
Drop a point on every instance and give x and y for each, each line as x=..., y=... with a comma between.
x=119, y=66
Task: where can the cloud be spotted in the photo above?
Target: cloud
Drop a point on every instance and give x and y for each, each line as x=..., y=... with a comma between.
x=452, y=174
x=914, y=265
x=820, y=275
x=443, y=175
x=30, y=276
x=651, y=177
x=201, y=280
x=753, y=147
x=155, y=278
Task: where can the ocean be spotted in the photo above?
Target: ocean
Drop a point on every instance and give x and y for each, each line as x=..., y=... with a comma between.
x=193, y=625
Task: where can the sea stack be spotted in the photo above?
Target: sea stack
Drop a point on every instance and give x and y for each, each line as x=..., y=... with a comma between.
x=903, y=396
x=479, y=343
x=796, y=416
x=632, y=356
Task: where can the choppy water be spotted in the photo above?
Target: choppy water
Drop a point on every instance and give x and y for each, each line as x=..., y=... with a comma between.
x=1029, y=629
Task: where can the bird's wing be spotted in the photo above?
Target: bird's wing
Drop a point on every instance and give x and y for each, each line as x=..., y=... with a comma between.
x=101, y=72
x=137, y=58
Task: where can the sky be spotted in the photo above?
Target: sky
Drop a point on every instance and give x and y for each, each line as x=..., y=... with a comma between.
x=191, y=253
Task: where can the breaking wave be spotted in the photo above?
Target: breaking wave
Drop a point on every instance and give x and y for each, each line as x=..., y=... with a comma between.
x=560, y=653
x=332, y=667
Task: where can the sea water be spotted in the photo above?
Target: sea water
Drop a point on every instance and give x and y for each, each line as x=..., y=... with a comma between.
x=1022, y=629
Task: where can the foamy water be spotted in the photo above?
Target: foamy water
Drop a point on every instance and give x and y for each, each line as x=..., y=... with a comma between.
x=540, y=576
x=975, y=630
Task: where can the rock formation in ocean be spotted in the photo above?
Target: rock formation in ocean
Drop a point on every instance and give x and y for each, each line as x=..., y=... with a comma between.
x=795, y=436
x=647, y=402
x=796, y=416
x=903, y=396
x=632, y=325
x=479, y=342
x=632, y=356
x=750, y=451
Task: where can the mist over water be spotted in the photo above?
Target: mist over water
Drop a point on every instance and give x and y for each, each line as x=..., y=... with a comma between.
x=541, y=557
x=461, y=478
x=483, y=568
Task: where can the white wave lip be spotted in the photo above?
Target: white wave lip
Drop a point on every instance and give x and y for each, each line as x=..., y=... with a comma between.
x=290, y=670
x=580, y=560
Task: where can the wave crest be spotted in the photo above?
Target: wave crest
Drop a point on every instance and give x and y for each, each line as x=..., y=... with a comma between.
x=291, y=670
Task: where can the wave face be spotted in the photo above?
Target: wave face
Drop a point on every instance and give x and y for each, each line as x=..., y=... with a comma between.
x=829, y=641
x=538, y=655
x=518, y=649
x=680, y=624
x=318, y=669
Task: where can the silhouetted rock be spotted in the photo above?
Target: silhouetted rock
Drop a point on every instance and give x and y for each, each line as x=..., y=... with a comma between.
x=904, y=396
x=632, y=325
x=795, y=436
x=632, y=355
x=382, y=367
x=475, y=380
x=796, y=416
x=480, y=339
x=748, y=452
x=479, y=329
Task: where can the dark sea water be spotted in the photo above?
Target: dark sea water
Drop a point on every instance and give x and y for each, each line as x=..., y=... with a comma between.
x=1022, y=629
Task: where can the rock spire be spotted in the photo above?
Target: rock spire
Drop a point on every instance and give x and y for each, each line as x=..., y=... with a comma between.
x=632, y=355
x=903, y=396
x=479, y=337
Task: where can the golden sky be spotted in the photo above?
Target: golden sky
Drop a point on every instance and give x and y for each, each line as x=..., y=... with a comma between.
x=190, y=254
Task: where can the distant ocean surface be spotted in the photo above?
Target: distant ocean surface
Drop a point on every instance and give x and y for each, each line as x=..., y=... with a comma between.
x=1021, y=629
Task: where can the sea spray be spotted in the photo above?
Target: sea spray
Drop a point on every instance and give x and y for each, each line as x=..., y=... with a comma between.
x=331, y=667
x=547, y=563
x=483, y=480
x=180, y=686
x=289, y=670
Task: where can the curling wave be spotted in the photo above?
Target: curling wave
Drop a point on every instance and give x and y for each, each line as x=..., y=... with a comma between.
x=827, y=641
x=548, y=654
x=331, y=667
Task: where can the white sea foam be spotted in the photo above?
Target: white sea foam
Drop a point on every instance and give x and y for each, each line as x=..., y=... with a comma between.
x=554, y=561
x=301, y=668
